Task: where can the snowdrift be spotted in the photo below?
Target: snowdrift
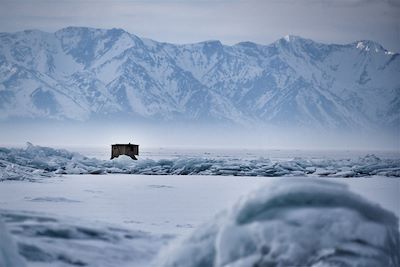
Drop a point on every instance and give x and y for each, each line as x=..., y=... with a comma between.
x=293, y=223
x=47, y=240
x=37, y=162
x=9, y=255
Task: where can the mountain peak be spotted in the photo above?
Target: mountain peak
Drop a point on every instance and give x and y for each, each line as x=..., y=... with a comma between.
x=368, y=45
x=81, y=73
x=85, y=30
x=78, y=29
x=211, y=47
x=292, y=38
x=212, y=43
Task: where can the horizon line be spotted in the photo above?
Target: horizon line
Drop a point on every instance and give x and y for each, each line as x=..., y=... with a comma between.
x=285, y=37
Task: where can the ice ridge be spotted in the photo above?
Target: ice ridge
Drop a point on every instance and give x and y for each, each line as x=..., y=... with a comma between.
x=35, y=162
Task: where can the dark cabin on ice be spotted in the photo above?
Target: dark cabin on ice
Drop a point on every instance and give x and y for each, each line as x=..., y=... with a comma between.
x=130, y=150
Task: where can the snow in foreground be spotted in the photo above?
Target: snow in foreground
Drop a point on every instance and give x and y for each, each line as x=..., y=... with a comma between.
x=45, y=240
x=293, y=223
x=9, y=255
x=286, y=222
x=37, y=162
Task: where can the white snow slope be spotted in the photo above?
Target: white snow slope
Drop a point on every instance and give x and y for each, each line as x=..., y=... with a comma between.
x=83, y=73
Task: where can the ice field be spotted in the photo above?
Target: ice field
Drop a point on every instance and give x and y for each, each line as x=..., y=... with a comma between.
x=116, y=218
x=34, y=162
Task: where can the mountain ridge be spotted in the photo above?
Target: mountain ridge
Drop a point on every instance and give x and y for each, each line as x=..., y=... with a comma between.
x=78, y=73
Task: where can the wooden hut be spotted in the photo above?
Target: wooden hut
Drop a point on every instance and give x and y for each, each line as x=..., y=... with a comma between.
x=130, y=150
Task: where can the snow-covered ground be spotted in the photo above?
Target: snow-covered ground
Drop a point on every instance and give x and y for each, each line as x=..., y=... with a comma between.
x=122, y=219
x=172, y=203
x=293, y=223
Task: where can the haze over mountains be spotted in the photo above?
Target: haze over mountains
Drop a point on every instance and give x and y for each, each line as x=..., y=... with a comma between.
x=82, y=74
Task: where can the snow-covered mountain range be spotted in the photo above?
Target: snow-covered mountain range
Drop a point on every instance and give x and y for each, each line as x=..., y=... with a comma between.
x=84, y=73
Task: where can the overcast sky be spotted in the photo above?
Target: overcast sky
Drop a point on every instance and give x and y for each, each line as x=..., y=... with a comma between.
x=231, y=21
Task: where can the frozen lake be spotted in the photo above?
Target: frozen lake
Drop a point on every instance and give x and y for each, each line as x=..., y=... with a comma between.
x=167, y=204
x=35, y=162
x=125, y=220
x=162, y=204
x=156, y=153
x=120, y=219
